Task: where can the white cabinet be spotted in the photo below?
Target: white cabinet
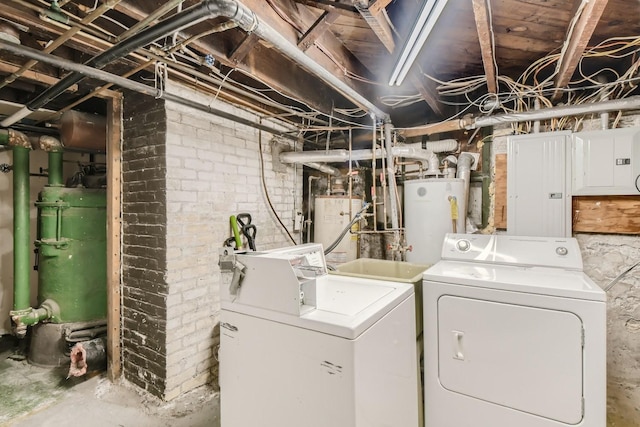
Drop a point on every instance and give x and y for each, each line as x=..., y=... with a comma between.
x=538, y=185
x=606, y=162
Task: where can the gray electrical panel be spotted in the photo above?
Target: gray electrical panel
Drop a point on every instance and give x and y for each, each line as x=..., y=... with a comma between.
x=539, y=185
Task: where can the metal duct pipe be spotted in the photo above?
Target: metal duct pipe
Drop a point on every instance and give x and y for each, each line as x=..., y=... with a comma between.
x=557, y=112
x=442, y=146
x=630, y=103
x=465, y=161
x=323, y=168
x=411, y=151
x=393, y=188
x=230, y=9
x=133, y=86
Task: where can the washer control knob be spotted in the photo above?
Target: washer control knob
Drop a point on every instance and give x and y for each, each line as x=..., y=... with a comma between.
x=562, y=251
x=463, y=245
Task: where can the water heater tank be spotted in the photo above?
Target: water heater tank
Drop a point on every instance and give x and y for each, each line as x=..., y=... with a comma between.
x=331, y=216
x=428, y=216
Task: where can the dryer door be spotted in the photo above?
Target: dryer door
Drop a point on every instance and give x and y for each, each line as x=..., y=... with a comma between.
x=524, y=358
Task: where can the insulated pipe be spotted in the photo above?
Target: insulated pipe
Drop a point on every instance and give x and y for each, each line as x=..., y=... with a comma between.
x=391, y=177
x=442, y=146
x=465, y=161
x=339, y=156
x=230, y=9
x=323, y=168
x=88, y=356
x=133, y=86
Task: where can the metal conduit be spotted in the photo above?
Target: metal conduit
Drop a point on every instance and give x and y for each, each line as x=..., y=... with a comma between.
x=133, y=86
x=230, y=9
x=630, y=103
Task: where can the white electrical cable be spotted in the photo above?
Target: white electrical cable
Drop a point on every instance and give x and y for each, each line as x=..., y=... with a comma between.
x=612, y=283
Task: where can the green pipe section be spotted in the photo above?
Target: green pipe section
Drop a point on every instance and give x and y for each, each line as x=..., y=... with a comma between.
x=55, y=169
x=4, y=137
x=21, y=239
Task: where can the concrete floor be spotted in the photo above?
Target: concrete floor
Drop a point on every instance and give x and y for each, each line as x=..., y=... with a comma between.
x=37, y=397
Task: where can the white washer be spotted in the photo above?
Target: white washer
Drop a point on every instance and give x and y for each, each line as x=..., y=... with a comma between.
x=302, y=348
x=515, y=335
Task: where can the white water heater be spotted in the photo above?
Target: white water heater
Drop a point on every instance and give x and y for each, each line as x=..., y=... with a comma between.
x=428, y=216
x=332, y=215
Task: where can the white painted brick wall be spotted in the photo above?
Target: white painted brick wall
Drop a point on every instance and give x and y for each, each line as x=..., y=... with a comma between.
x=213, y=171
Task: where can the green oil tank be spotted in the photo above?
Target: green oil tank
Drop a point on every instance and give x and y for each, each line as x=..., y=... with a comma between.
x=72, y=250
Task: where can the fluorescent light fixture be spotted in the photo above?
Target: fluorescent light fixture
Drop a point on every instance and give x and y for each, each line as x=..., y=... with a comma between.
x=427, y=19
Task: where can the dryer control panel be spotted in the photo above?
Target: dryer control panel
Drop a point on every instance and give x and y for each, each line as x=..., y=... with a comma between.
x=562, y=252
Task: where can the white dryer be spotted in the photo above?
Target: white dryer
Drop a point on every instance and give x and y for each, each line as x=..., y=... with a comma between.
x=515, y=335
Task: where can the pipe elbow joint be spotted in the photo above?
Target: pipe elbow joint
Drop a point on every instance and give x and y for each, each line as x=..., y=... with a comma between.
x=19, y=139
x=50, y=144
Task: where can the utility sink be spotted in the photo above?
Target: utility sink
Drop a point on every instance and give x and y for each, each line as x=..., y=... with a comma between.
x=392, y=271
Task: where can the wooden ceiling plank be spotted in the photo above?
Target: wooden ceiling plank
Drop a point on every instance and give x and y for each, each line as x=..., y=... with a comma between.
x=577, y=41
x=429, y=94
x=243, y=49
x=330, y=6
x=328, y=51
x=483, y=25
x=317, y=30
x=33, y=76
x=378, y=23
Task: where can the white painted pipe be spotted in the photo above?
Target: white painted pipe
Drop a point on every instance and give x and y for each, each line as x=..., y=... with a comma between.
x=323, y=168
x=391, y=181
x=429, y=158
x=442, y=146
x=465, y=161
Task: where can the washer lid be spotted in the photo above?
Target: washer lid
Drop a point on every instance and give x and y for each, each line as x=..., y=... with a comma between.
x=534, y=280
x=345, y=306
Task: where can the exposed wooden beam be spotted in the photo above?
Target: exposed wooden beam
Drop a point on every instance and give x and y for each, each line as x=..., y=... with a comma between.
x=243, y=49
x=481, y=12
x=330, y=6
x=317, y=30
x=81, y=42
x=327, y=50
x=262, y=63
x=378, y=23
x=33, y=76
x=577, y=39
x=376, y=6
x=428, y=93
x=114, y=238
